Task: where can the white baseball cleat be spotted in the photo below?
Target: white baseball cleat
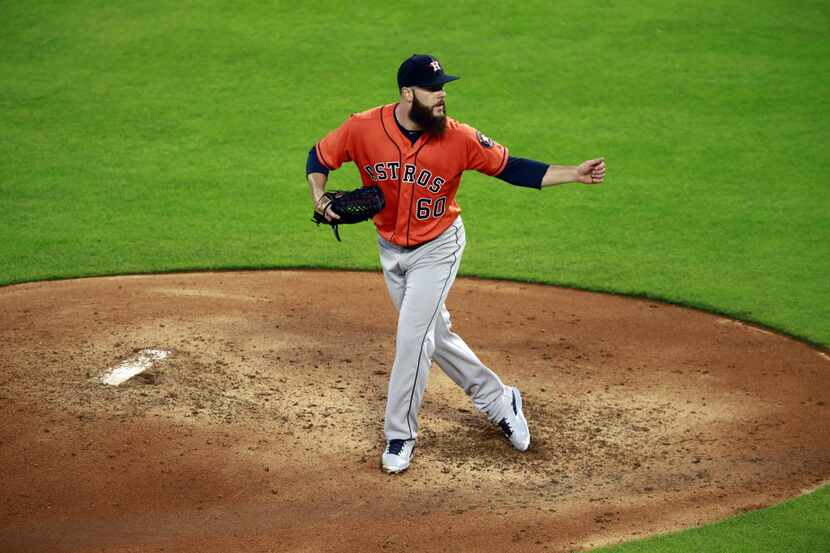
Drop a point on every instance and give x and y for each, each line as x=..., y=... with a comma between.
x=514, y=425
x=397, y=455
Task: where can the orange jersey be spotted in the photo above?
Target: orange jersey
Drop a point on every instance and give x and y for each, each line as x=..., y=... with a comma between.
x=419, y=181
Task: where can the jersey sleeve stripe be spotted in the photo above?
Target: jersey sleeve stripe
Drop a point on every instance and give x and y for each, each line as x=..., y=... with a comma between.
x=321, y=157
x=503, y=163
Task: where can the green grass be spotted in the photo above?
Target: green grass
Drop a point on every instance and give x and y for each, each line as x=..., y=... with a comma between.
x=164, y=136
x=798, y=525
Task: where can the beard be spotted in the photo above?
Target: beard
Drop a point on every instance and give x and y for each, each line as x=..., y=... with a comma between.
x=421, y=115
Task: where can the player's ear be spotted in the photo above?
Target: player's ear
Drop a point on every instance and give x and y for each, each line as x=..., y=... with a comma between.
x=407, y=93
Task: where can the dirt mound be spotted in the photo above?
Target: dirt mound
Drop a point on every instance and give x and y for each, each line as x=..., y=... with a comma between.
x=262, y=430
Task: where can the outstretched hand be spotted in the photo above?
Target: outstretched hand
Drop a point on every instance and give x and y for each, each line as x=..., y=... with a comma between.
x=591, y=171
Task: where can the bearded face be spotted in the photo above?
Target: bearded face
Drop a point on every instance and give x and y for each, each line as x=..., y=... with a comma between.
x=424, y=116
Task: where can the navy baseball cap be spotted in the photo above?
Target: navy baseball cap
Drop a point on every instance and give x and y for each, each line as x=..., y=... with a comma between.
x=422, y=70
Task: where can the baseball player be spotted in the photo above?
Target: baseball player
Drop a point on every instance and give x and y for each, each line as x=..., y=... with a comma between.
x=416, y=154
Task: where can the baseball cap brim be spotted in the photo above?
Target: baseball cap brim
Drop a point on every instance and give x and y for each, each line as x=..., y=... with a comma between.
x=443, y=79
x=436, y=80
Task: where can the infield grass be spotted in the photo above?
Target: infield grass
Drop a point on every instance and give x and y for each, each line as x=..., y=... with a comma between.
x=799, y=525
x=165, y=136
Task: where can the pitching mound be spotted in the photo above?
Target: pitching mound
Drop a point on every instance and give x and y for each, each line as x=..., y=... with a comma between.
x=257, y=423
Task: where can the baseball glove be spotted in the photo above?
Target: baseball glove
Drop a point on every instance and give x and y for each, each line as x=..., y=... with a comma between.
x=353, y=206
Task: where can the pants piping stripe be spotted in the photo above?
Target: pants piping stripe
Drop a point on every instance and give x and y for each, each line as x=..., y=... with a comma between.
x=421, y=350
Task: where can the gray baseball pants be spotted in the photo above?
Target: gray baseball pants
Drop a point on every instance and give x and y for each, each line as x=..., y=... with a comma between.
x=419, y=280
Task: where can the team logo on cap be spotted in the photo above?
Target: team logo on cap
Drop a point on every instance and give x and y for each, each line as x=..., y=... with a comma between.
x=435, y=66
x=484, y=140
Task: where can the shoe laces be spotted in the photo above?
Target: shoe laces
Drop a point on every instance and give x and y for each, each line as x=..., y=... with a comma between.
x=395, y=446
x=505, y=427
